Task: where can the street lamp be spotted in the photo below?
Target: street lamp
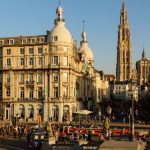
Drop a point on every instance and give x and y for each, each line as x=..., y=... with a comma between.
x=107, y=121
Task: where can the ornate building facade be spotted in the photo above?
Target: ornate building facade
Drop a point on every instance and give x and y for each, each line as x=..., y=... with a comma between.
x=48, y=75
x=124, y=50
x=143, y=69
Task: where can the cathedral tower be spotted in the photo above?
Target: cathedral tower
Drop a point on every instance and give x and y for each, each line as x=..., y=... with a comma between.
x=124, y=50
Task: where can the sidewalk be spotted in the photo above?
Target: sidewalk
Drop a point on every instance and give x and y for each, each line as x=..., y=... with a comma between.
x=123, y=145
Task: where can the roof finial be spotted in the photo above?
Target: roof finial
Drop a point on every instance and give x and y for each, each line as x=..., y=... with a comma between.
x=59, y=2
x=123, y=5
x=83, y=25
x=84, y=40
x=143, y=53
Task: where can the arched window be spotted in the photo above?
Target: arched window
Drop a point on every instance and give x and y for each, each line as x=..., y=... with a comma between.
x=30, y=111
x=55, y=112
x=21, y=111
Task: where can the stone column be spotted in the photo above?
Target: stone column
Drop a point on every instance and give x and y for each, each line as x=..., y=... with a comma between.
x=60, y=112
x=45, y=111
x=70, y=113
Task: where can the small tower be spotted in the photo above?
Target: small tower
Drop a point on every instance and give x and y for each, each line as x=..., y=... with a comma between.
x=124, y=50
x=59, y=12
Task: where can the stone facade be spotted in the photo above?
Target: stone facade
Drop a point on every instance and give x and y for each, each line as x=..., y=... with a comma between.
x=48, y=75
x=125, y=91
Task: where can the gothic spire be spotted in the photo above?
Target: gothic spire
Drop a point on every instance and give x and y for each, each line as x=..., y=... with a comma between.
x=123, y=6
x=124, y=16
x=143, y=54
x=124, y=50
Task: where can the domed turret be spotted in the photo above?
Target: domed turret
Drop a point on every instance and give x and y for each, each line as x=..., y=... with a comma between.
x=85, y=49
x=59, y=33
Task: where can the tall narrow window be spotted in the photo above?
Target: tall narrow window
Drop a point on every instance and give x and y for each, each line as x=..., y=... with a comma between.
x=31, y=77
x=31, y=93
x=30, y=61
x=21, y=61
x=55, y=77
x=40, y=50
x=7, y=78
x=40, y=60
x=40, y=77
x=55, y=60
x=22, y=92
x=30, y=50
x=40, y=93
x=8, y=62
x=55, y=92
x=21, y=78
x=8, y=51
x=8, y=91
x=65, y=92
x=21, y=50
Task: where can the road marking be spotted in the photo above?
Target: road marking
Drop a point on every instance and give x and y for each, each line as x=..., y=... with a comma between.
x=13, y=148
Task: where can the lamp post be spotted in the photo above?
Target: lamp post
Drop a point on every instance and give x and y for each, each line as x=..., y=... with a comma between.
x=107, y=121
x=132, y=137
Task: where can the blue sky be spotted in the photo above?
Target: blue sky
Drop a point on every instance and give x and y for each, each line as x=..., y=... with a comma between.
x=35, y=17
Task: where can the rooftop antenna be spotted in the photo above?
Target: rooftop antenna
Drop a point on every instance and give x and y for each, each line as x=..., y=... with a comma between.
x=83, y=25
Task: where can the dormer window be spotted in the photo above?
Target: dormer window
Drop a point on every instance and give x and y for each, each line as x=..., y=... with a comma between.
x=42, y=40
x=24, y=41
x=1, y=42
x=55, y=38
x=11, y=41
x=32, y=40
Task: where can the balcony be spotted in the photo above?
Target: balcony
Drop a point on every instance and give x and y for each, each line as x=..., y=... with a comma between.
x=27, y=99
x=30, y=83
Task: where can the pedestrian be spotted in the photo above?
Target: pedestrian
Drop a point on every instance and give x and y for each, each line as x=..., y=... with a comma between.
x=28, y=136
x=101, y=138
x=63, y=136
x=75, y=135
x=90, y=135
x=56, y=135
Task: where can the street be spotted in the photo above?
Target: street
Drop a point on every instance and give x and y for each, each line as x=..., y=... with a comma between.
x=13, y=144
